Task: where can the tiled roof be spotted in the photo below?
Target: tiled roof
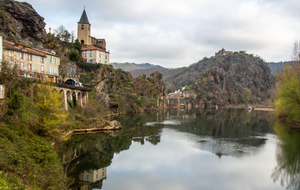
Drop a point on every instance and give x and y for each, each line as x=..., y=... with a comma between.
x=91, y=48
x=34, y=51
x=84, y=19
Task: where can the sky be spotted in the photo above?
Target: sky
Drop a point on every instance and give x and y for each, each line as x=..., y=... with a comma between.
x=177, y=33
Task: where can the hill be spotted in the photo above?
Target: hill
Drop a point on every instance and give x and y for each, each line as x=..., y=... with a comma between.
x=168, y=72
x=229, y=79
x=278, y=65
x=133, y=66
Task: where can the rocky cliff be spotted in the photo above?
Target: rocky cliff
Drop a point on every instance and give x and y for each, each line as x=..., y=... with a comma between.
x=237, y=78
x=20, y=23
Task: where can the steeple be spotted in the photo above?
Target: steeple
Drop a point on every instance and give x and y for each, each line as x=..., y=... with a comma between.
x=84, y=19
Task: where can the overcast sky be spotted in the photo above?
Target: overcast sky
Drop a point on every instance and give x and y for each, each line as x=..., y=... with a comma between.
x=177, y=33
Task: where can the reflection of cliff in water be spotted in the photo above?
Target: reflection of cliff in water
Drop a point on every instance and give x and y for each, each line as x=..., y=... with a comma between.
x=226, y=131
x=89, y=152
x=287, y=170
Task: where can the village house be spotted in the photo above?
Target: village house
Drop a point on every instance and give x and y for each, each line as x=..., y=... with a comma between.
x=94, y=50
x=33, y=63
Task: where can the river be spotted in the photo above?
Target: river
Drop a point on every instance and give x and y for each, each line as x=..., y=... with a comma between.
x=186, y=150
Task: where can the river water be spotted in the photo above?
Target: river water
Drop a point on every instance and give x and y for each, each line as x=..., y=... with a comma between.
x=186, y=150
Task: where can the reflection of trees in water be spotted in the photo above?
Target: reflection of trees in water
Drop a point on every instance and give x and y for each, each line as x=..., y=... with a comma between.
x=92, y=151
x=287, y=170
x=226, y=131
x=226, y=123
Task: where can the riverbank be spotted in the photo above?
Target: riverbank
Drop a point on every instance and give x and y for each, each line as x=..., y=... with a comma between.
x=256, y=107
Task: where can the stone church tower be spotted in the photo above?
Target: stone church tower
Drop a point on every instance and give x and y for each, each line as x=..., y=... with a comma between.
x=84, y=30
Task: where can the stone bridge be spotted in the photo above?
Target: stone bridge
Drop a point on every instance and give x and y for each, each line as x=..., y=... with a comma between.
x=67, y=93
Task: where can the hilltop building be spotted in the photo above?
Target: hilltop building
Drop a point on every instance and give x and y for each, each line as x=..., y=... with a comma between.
x=223, y=52
x=94, y=50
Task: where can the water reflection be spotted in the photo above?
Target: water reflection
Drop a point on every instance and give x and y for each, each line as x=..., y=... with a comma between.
x=223, y=132
x=92, y=179
x=231, y=133
x=287, y=170
x=86, y=153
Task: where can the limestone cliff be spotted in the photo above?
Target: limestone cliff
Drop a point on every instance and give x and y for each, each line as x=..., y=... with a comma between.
x=20, y=23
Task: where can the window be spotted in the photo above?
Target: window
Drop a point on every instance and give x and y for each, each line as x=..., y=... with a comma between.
x=82, y=27
x=10, y=63
x=99, y=55
x=50, y=59
x=103, y=174
x=91, y=61
x=51, y=70
x=42, y=68
x=105, y=62
x=87, y=177
x=21, y=55
x=42, y=60
x=85, y=55
x=82, y=177
x=29, y=57
x=29, y=67
x=97, y=176
x=91, y=54
x=22, y=65
x=55, y=60
x=2, y=91
x=55, y=70
x=105, y=56
x=99, y=61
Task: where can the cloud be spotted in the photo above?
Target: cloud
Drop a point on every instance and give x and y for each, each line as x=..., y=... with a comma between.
x=175, y=163
x=178, y=33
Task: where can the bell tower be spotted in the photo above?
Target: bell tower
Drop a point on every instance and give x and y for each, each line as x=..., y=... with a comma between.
x=84, y=30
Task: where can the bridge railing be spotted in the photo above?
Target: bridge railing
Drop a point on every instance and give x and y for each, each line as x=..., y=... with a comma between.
x=70, y=84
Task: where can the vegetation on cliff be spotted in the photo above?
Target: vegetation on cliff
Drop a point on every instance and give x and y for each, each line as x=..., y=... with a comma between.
x=116, y=90
x=236, y=78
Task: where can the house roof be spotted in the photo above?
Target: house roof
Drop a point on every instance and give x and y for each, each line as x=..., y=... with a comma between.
x=91, y=48
x=84, y=19
x=34, y=51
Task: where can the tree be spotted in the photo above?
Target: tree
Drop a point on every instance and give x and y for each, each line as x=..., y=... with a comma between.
x=50, y=112
x=246, y=95
x=72, y=36
x=62, y=33
x=287, y=103
x=77, y=45
x=74, y=55
x=59, y=31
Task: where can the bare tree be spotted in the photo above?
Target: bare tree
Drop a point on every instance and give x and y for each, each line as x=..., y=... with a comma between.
x=72, y=36
x=60, y=31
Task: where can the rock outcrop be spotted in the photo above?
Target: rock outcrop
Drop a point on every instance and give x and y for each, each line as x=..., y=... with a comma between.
x=21, y=24
x=238, y=78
